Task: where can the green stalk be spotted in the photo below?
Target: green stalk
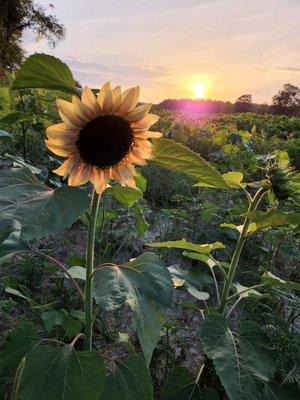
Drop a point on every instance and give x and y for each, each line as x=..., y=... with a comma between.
x=89, y=271
x=238, y=250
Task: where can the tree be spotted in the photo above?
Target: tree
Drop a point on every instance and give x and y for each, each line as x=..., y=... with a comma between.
x=243, y=104
x=287, y=101
x=17, y=15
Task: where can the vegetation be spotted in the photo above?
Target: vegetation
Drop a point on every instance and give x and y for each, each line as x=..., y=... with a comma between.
x=15, y=17
x=185, y=287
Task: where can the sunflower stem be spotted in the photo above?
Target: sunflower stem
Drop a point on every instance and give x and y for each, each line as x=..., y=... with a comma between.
x=89, y=272
x=238, y=250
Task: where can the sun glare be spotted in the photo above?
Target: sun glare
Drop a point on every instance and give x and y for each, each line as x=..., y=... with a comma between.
x=199, y=90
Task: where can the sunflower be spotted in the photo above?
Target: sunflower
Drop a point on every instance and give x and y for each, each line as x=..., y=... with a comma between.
x=102, y=138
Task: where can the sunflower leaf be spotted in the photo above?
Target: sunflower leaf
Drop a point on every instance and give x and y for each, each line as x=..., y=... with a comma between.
x=145, y=284
x=183, y=244
x=130, y=380
x=175, y=156
x=40, y=210
x=62, y=374
x=42, y=71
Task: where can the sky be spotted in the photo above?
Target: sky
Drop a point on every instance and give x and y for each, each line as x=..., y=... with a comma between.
x=218, y=49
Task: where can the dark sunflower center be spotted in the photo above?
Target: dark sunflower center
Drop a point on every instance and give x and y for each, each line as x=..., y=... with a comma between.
x=105, y=141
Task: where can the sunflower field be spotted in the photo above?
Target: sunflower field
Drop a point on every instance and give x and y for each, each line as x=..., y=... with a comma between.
x=144, y=255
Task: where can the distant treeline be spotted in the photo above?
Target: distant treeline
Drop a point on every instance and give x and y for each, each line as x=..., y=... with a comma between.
x=285, y=102
x=210, y=106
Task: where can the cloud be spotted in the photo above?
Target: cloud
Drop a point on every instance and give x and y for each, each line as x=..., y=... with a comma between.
x=291, y=69
x=125, y=67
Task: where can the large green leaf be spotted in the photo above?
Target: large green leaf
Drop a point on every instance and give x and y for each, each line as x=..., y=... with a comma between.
x=19, y=341
x=273, y=391
x=273, y=280
x=43, y=71
x=272, y=218
x=180, y=385
x=62, y=374
x=183, y=244
x=130, y=380
x=176, y=157
x=145, y=284
x=40, y=210
x=242, y=360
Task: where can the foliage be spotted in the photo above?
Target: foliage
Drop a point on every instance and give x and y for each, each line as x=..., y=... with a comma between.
x=287, y=101
x=15, y=17
x=228, y=330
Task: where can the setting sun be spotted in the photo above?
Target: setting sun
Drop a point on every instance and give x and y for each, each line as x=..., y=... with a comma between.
x=199, y=90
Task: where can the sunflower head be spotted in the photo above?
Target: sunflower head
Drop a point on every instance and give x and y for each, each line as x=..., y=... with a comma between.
x=285, y=182
x=102, y=137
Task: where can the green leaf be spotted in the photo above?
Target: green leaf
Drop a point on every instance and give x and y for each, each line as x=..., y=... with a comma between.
x=17, y=293
x=125, y=195
x=43, y=71
x=19, y=341
x=233, y=179
x=242, y=360
x=62, y=374
x=208, y=210
x=10, y=238
x=130, y=380
x=54, y=318
x=141, y=182
x=273, y=280
x=40, y=210
x=244, y=291
x=193, y=280
x=12, y=117
x=272, y=218
x=145, y=284
x=5, y=135
x=77, y=272
x=4, y=97
x=183, y=244
x=201, y=257
x=141, y=224
x=176, y=157
x=180, y=385
x=273, y=391
x=234, y=227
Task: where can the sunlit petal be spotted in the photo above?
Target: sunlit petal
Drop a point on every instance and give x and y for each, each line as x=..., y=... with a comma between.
x=129, y=100
x=105, y=98
x=88, y=99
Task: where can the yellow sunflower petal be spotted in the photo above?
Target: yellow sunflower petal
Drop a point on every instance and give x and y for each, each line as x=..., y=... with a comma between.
x=61, y=150
x=138, y=113
x=144, y=144
x=147, y=135
x=62, y=141
x=136, y=159
x=88, y=99
x=80, y=174
x=67, y=165
x=129, y=100
x=59, y=131
x=145, y=123
x=68, y=115
x=98, y=180
x=105, y=98
x=116, y=97
x=81, y=109
x=141, y=153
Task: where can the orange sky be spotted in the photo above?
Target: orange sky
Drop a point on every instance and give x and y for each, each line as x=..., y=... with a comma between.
x=230, y=47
